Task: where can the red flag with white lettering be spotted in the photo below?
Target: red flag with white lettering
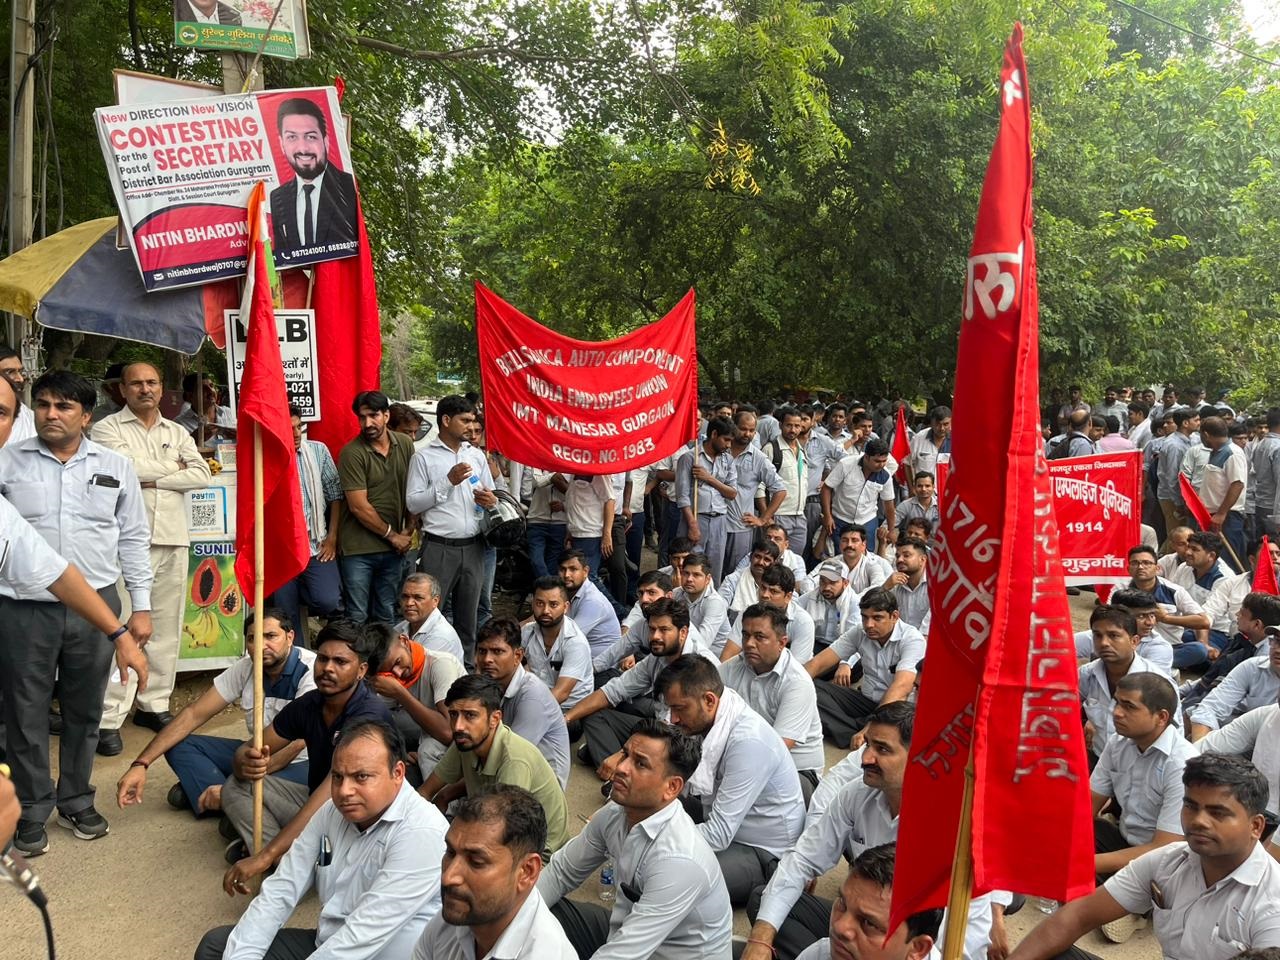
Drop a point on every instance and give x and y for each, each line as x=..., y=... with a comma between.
x=1002, y=674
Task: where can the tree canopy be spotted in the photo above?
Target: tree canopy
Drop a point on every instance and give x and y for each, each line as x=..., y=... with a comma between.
x=812, y=169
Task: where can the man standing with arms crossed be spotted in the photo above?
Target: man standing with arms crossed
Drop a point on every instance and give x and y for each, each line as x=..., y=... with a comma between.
x=167, y=464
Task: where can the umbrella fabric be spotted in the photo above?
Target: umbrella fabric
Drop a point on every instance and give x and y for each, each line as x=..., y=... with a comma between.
x=77, y=280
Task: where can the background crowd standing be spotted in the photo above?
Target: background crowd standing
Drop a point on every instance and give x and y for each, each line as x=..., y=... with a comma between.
x=419, y=741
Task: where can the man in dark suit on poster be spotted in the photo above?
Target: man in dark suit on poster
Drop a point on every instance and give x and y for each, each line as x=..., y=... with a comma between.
x=318, y=206
x=205, y=11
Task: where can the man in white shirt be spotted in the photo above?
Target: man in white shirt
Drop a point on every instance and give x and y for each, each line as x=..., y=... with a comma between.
x=1253, y=683
x=489, y=903
x=671, y=899
x=372, y=853
x=929, y=444
x=450, y=487
x=555, y=650
x=1141, y=770
x=777, y=588
x=707, y=609
x=85, y=501
x=855, y=492
x=1176, y=611
x=1223, y=487
x=203, y=763
x=746, y=784
x=589, y=509
x=833, y=606
x=860, y=917
x=424, y=623
x=741, y=588
x=168, y=465
x=866, y=569
x=1213, y=896
x=787, y=454
x=885, y=649
x=776, y=534
x=773, y=682
x=545, y=524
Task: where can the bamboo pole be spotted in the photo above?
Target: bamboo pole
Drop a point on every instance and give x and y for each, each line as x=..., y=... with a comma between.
x=961, y=874
x=259, y=576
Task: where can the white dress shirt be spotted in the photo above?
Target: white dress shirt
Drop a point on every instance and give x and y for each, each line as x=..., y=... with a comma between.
x=683, y=912
x=785, y=696
x=377, y=894
x=447, y=509
x=855, y=496
x=880, y=662
x=28, y=565
x=436, y=633
x=89, y=510
x=1099, y=702
x=24, y=425
x=791, y=560
x=532, y=934
x=569, y=656
x=1255, y=735
x=757, y=799
x=1240, y=911
x=830, y=620
x=584, y=503
x=1249, y=685
x=1147, y=785
x=871, y=571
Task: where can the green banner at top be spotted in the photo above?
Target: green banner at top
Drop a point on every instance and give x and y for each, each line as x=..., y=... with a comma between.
x=241, y=26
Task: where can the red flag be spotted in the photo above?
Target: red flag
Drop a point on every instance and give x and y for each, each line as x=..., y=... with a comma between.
x=349, y=338
x=1264, y=577
x=901, y=444
x=1002, y=669
x=263, y=403
x=1194, y=504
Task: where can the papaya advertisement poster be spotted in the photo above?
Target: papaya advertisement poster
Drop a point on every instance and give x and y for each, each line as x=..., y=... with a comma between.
x=213, y=625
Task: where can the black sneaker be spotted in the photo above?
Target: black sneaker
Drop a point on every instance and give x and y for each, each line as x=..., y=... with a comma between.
x=87, y=824
x=236, y=851
x=30, y=839
x=227, y=829
x=177, y=798
x=152, y=721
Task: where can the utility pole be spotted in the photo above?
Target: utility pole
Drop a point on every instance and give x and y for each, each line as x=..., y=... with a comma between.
x=21, y=135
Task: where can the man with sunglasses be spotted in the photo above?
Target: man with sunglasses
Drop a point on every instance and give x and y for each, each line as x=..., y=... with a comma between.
x=672, y=901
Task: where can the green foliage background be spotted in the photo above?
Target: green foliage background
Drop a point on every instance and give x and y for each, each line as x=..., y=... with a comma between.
x=811, y=168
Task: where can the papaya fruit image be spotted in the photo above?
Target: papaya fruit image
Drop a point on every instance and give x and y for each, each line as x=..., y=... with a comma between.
x=229, y=603
x=206, y=583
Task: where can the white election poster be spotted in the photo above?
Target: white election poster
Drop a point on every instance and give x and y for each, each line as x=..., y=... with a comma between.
x=182, y=172
x=296, y=329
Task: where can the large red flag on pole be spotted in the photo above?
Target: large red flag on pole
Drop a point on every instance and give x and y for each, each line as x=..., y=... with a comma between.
x=1264, y=575
x=999, y=705
x=269, y=507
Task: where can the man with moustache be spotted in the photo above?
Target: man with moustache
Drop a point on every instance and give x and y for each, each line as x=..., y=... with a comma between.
x=486, y=752
x=610, y=714
x=317, y=207
x=672, y=902
x=344, y=653
x=423, y=621
x=489, y=902
x=372, y=852
x=528, y=707
x=589, y=608
x=168, y=464
x=909, y=583
x=374, y=533
x=747, y=513
x=833, y=607
x=866, y=568
x=413, y=682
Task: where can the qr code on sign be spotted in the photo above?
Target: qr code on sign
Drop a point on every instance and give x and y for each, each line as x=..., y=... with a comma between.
x=205, y=515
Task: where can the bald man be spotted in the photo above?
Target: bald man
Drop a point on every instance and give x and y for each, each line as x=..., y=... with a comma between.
x=168, y=464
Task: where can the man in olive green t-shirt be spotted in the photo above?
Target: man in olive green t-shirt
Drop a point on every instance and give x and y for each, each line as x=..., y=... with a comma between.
x=485, y=752
x=375, y=530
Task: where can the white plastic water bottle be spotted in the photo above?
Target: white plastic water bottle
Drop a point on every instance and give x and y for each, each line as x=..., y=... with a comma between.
x=475, y=486
x=607, y=887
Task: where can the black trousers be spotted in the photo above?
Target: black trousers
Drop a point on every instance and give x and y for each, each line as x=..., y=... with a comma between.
x=585, y=924
x=843, y=710
x=41, y=640
x=606, y=731
x=290, y=943
x=807, y=923
x=460, y=572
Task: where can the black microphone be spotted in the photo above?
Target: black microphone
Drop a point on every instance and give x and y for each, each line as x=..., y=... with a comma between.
x=15, y=869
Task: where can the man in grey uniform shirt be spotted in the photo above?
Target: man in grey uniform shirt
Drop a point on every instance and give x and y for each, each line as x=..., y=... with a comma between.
x=672, y=903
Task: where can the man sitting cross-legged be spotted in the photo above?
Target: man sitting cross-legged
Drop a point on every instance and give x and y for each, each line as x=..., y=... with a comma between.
x=203, y=763
x=372, y=853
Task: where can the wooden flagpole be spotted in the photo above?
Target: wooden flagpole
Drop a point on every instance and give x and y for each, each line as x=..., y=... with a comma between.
x=961, y=874
x=259, y=576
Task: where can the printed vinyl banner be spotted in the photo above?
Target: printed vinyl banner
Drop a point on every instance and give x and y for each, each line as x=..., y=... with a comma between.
x=241, y=25
x=213, y=623
x=182, y=172
x=1098, y=503
x=296, y=331
x=556, y=403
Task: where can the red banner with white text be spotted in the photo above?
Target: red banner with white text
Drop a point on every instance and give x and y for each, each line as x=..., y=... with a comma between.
x=1098, y=503
x=1000, y=691
x=574, y=406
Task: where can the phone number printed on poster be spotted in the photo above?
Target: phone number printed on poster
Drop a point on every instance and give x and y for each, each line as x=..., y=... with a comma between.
x=296, y=330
